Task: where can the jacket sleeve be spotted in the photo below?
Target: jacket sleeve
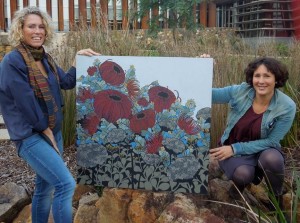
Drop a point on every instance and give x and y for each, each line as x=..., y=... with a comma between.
x=67, y=80
x=16, y=83
x=223, y=95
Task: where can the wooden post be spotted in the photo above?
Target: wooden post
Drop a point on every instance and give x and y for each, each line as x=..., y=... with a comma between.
x=82, y=11
x=115, y=14
x=71, y=15
x=124, y=14
x=2, y=17
x=93, y=13
x=49, y=7
x=212, y=14
x=203, y=13
x=144, y=22
x=104, y=12
x=60, y=15
x=135, y=5
x=155, y=12
x=194, y=13
x=13, y=7
x=25, y=3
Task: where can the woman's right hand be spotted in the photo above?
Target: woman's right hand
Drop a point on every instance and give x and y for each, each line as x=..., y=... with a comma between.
x=49, y=134
x=86, y=52
x=221, y=153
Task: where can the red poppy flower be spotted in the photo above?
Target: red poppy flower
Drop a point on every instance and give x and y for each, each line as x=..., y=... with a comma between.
x=133, y=88
x=91, y=70
x=189, y=125
x=90, y=124
x=162, y=98
x=112, y=105
x=112, y=73
x=83, y=94
x=143, y=102
x=142, y=120
x=154, y=144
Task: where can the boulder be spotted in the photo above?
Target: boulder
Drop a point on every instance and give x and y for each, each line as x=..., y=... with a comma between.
x=13, y=198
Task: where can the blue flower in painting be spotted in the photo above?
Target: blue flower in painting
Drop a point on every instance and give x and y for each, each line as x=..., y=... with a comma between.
x=133, y=144
x=164, y=156
x=200, y=143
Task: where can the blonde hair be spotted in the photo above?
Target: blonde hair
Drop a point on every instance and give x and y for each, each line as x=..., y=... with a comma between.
x=15, y=35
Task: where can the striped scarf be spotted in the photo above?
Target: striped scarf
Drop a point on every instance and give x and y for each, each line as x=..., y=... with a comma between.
x=39, y=83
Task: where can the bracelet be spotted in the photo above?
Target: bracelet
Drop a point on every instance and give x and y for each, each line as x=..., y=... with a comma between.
x=232, y=149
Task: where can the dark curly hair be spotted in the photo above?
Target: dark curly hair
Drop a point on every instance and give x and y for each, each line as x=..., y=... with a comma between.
x=274, y=66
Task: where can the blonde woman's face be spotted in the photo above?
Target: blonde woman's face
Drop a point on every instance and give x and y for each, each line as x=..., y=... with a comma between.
x=34, y=31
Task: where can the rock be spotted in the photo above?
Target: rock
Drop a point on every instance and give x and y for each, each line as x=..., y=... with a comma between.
x=146, y=206
x=14, y=199
x=81, y=190
x=87, y=214
x=24, y=216
x=89, y=199
x=183, y=210
x=113, y=205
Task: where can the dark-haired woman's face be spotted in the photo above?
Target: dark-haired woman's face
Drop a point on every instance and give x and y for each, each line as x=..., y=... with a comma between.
x=34, y=32
x=263, y=81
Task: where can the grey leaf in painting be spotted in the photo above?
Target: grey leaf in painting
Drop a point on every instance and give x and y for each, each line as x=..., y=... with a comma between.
x=90, y=155
x=151, y=159
x=183, y=168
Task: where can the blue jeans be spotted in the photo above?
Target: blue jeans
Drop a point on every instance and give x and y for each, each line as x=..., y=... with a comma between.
x=52, y=175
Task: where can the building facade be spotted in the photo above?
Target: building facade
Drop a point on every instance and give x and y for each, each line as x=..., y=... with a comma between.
x=250, y=18
x=260, y=18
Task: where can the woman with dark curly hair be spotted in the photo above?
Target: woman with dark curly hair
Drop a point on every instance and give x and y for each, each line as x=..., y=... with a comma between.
x=259, y=117
x=31, y=104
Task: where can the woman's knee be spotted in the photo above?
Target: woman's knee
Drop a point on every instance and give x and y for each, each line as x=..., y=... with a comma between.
x=243, y=175
x=271, y=160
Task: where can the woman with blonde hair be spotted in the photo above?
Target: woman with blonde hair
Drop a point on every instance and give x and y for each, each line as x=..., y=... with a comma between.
x=31, y=104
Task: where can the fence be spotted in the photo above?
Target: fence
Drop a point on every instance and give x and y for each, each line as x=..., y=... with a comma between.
x=118, y=14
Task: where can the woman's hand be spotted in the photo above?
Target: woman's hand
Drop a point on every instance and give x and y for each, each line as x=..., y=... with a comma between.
x=86, y=52
x=221, y=153
x=205, y=55
x=49, y=136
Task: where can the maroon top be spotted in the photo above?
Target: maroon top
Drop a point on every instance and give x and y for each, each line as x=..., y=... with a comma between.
x=246, y=129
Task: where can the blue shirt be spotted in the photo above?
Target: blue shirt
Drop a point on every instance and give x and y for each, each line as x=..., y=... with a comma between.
x=276, y=122
x=22, y=114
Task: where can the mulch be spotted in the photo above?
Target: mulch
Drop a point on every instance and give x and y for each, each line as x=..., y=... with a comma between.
x=14, y=169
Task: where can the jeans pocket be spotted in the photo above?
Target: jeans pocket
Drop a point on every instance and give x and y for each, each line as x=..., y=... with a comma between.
x=29, y=142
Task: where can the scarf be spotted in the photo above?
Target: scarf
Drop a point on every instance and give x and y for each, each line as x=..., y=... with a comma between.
x=38, y=81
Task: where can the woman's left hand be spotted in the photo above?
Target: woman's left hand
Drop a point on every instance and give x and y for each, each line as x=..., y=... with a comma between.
x=86, y=52
x=221, y=153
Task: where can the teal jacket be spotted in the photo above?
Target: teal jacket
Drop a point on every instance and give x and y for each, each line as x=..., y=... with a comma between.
x=277, y=119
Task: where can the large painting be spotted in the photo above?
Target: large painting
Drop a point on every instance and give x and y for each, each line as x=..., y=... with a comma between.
x=144, y=122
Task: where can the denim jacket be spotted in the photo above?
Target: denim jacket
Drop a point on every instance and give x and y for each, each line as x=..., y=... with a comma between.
x=276, y=122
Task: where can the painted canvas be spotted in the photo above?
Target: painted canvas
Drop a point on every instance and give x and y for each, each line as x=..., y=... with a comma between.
x=144, y=122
